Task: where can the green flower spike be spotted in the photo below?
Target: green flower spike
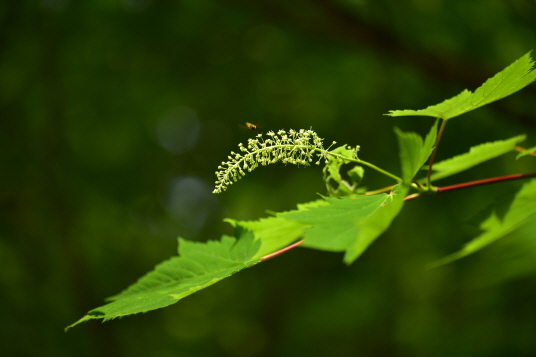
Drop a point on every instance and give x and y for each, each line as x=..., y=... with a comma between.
x=292, y=147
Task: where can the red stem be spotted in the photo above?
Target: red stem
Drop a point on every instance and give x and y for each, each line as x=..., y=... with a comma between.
x=484, y=182
x=475, y=183
x=280, y=251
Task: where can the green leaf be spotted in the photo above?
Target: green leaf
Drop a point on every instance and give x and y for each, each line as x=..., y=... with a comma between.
x=521, y=210
x=334, y=227
x=198, y=266
x=414, y=152
x=335, y=184
x=348, y=224
x=276, y=232
x=529, y=151
x=513, y=78
x=356, y=174
x=505, y=260
x=476, y=155
x=376, y=224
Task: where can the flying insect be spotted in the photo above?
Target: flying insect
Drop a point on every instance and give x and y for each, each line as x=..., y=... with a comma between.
x=251, y=126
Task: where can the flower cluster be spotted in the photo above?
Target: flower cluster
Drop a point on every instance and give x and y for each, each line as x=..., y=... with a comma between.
x=292, y=147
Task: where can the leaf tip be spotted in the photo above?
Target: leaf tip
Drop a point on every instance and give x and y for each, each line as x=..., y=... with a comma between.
x=83, y=319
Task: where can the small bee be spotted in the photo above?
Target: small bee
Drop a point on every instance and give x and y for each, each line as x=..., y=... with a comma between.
x=251, y=126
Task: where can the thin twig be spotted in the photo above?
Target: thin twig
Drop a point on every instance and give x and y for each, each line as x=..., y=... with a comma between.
x=484, y=182
x=520, y=149
x=472, y=184
x=366, y=163
x=381, y=190
x=280, y=251
x=432, y=157
x=412, y=196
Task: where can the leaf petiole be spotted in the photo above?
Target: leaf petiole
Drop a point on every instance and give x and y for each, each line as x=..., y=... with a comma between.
x=522, y=150
x=480, y=182
x=281, y=251
x=381, y=190
x=372, y=166
x=432, y=156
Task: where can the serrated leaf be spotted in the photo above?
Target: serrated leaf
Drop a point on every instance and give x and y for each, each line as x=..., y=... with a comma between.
x=276, y=232
x=348, y=224
x=476, y=155
x=414, y=151
x=334, y=227
x=198, y=266
x=513, y=78
x=505, y=260
x=521, y=210
x=376, y=224
x=529, y=151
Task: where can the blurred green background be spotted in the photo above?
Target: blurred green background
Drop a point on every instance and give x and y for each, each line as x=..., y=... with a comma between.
x=115, y=115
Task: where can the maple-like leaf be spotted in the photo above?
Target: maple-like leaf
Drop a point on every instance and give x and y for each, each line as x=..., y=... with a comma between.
x=476, y=155
x=414, y=151
x=521, y=210
x=198, y=265
x=348, y=224
x=513, y=78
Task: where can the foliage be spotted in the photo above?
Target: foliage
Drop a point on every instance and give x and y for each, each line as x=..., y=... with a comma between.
x=520, y=211
x=513, y=78
x=350, y=219
x=198, y=266
x=476, y=155
x=530, y=151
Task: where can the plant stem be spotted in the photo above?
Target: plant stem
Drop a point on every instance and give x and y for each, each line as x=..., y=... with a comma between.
x=381, y=190
x=412, y=196
x=280, y=251
x=387, y=173
x=484, y=182
x=474, y=183
x=372, y=166
x=432, y=157
x=520, y=149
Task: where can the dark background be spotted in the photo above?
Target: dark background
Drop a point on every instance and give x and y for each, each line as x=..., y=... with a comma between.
x=115, y=115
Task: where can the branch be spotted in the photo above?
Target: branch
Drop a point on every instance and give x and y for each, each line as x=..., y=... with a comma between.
x=484, y=182
x=281, y=251
x=521, y=149
x=481, y=182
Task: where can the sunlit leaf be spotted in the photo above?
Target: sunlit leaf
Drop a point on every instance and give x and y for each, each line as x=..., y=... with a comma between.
x=476, y=155
x=376, y=224
x=198, y=265
x=349, y=224
x=513, y=78
x=276, y=232
x=414, y=151
x=527, y=152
